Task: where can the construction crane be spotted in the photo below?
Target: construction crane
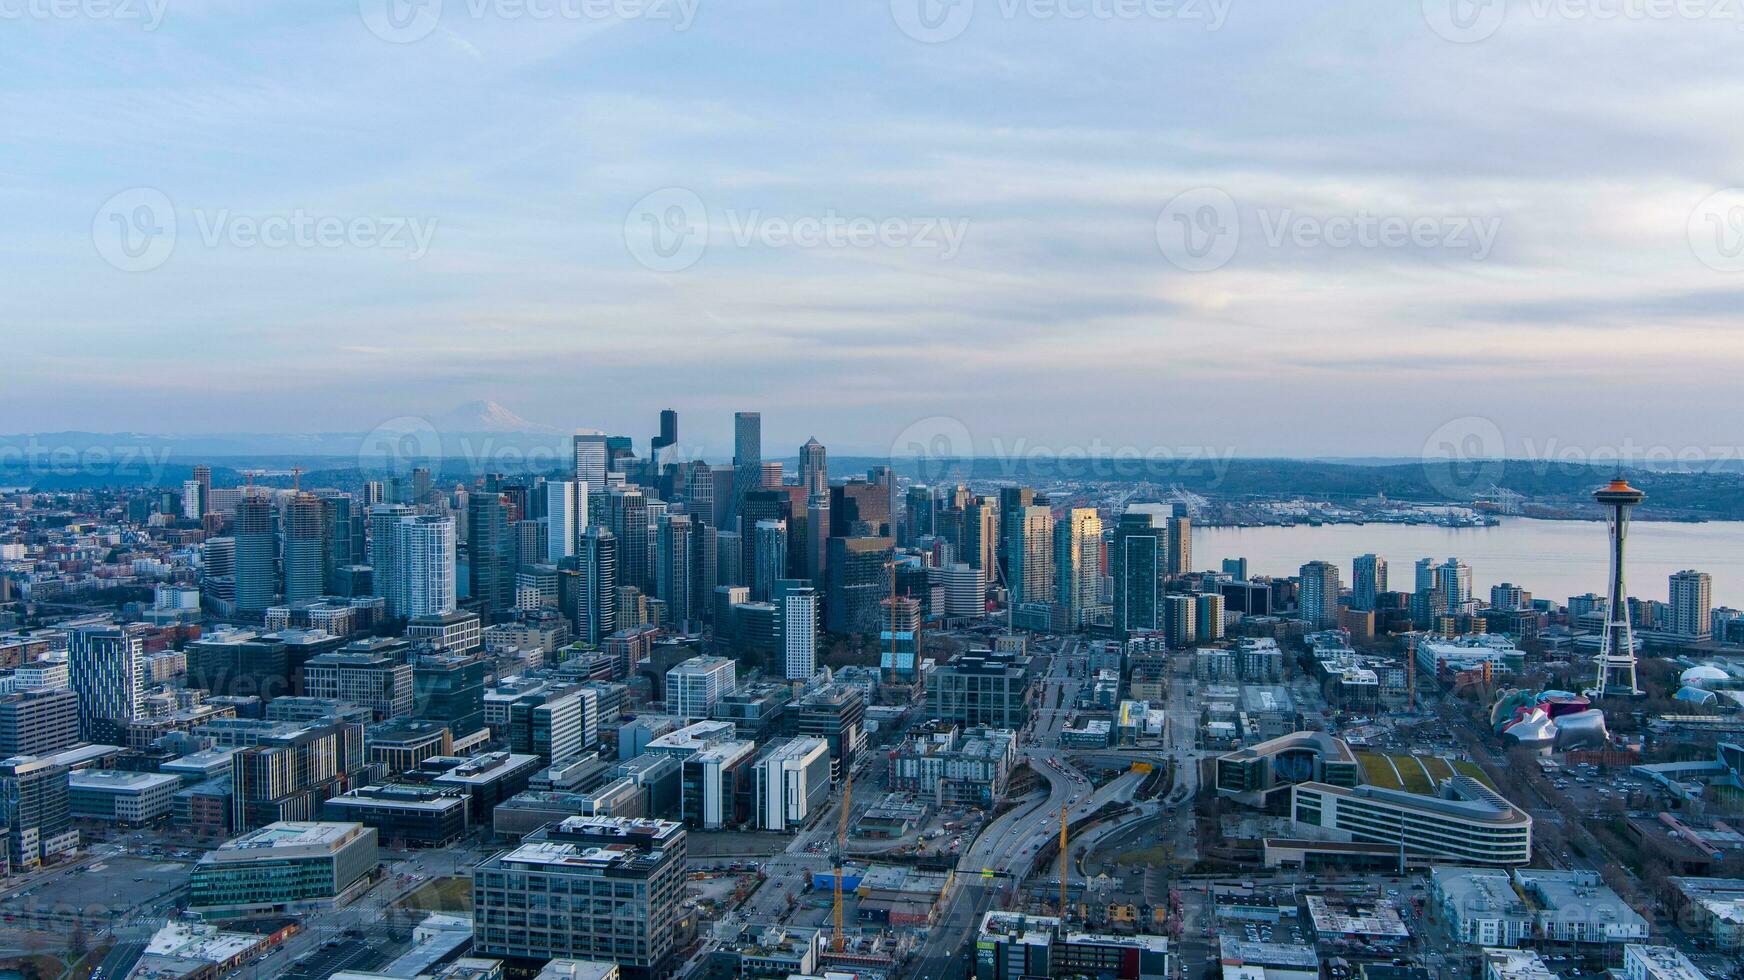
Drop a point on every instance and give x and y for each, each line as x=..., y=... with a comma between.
x=841, y=940
x=1063, y=862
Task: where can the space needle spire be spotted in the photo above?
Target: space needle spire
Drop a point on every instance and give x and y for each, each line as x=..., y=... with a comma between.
x=1617, y=648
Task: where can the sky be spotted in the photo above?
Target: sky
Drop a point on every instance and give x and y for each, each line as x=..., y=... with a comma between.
x=1256, y=227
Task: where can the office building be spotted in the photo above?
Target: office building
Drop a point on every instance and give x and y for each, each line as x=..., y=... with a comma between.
x=792, y=783
x=696, y=685
x=965, y=591
x=1180, y=543
x=814, y=470
x=678, y=577
x=490, y=555
x=357, y=674
x=747, y=461
x=38, y=721
x=1467, y=822
x=981, y=687
x=565, y=516
x=836, y=714
x=120, y=797
x=403, y=815
x=36, y=811
x=622, y=881
x=858, y=580
x=283, y=868
x=591, y=464
x=769, y=558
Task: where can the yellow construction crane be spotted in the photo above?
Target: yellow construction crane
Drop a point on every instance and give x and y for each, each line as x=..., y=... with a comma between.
x=841, y=940
x=1063, y=862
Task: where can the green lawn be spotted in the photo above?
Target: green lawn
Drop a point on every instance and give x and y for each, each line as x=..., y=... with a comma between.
x=1377, y=771
x=1474, y=771
x=1415, y=776
x=441, y=895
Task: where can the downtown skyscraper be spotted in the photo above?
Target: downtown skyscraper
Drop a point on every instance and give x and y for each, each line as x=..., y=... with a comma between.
x=490, y=555
x=1078, y=563
x=1368, y=581
x=256, y=537
x=747, y=461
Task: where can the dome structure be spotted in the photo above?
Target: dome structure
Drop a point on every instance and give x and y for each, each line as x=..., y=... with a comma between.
x=1702, y=675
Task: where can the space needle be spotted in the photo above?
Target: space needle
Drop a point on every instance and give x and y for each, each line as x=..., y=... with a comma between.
x=1617, y=648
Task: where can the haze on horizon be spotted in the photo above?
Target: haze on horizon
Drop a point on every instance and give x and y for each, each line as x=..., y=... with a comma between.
x=496, y=175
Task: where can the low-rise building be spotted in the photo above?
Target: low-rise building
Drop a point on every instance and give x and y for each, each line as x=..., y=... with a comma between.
x=1641, y=962
x=1467, y=821
x=284, y=867
x=129, y=799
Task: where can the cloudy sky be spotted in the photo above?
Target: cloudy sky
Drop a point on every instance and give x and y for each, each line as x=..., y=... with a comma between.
x=1263, y=226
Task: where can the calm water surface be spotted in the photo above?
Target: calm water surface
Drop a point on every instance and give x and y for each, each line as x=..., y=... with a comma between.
x=1550, y=559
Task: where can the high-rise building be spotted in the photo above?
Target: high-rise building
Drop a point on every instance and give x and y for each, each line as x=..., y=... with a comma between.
x=38, y=722
x=693, y=687
x=747, y=458
x=729, y=558
x=814, y=469
x=1368, y=581
x=203, y=477
x=1692, y=604
x=1208, y=616
x=343, y=525
x=918, y=514
x=1012, y=500
x=590, y=468
x=659, y=448
x=1138, y=563
x=305, y=558
x=858, y=581
x=597, y=595
x=1029, y=554
x=106, y=668
x=679, y=583
x=37, y=812
x=981, y=536
x=190, y=502
x=1428, y=575
x=626, y=516
x=1235, y=568
x=1454, y=578
x=965, y=590
x=1319, y=596
x=424, y=560
x=1078, y=562
x=565, y=516
x=770, y=550
x=490, y=555
x=817, y=536
x=1180, y=543
x=256, y=554
x=797, y=605
x=1180, y=619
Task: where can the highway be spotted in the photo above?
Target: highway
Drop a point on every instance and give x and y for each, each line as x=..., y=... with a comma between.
x=1004, y=853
